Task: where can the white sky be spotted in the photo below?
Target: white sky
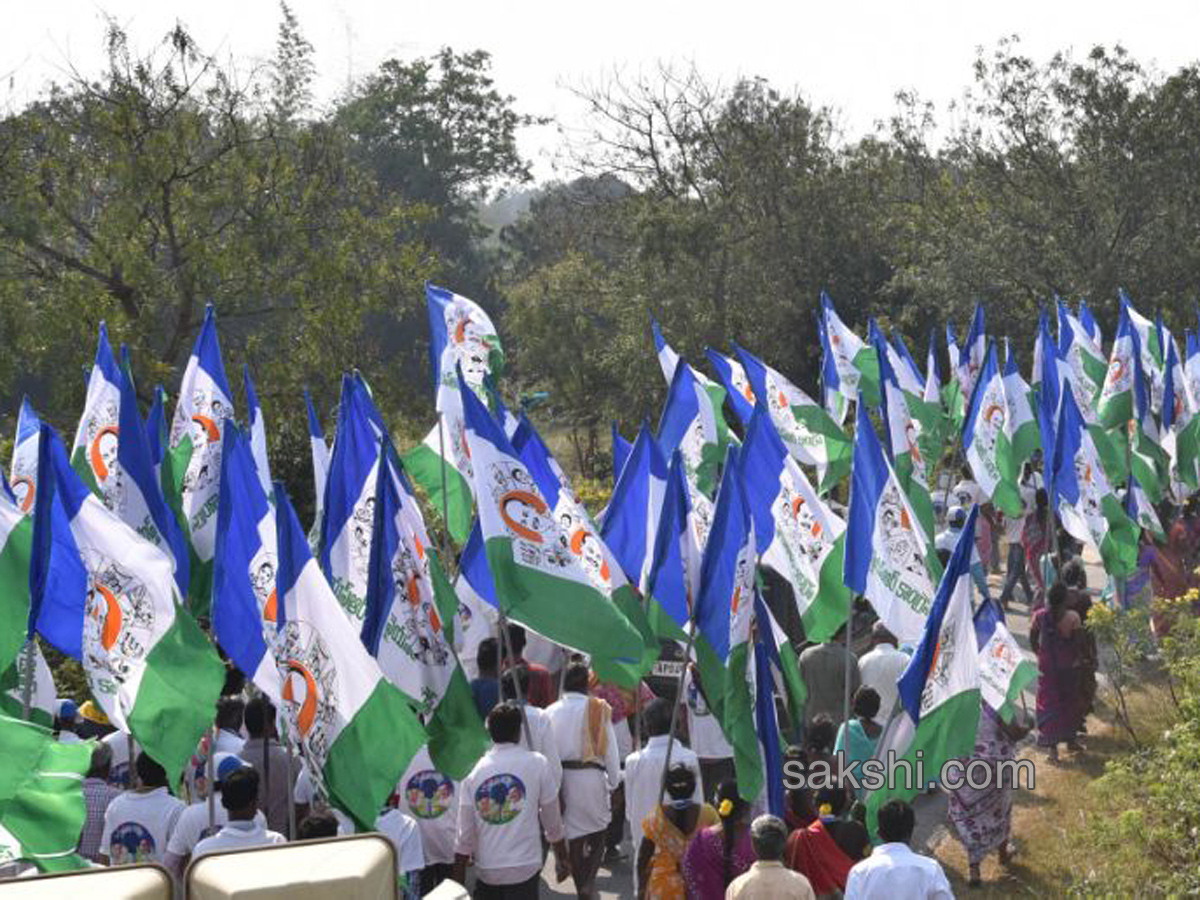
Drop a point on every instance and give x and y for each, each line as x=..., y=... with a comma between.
x=850, y=54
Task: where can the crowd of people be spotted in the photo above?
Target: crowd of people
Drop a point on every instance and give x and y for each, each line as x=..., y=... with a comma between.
x=590, y=774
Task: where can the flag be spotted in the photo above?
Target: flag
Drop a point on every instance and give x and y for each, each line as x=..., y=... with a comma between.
x=909, y=372
x=971, y=356
x=933, y=373
x=732, y=375
x=1083, y=356
x=1004, y=669
x=797, y=535
x=688, y=424
x=347, y=525
x=1086, y=503
x=156, y=430
x=782, y=657
x=910, y=429
x=1139, y=509
x=357, y=731
x=42, y=695
x=258, y=432
x=245, y=608
x=320, y=462
x=584, y=541
x=673, y=578
x=16, y=538
x=631, y=523
x=111, y=455
x=953, y=398
x=1090, y=326
x=22, y=476
x=621, y=449
x=766, y=721
x=887, y=555
x=147, y=662
x=724, y=617
x=811, y=436
x=849, y=366
x=1115, y=403
x=42, y=809
x=1181, y=428
x=460, y=334
x=193, y=457
x=408, y=628
x=1148, y=461
x=1151, y=348
x=999, y=435
x=940, y=689
x=539, y=580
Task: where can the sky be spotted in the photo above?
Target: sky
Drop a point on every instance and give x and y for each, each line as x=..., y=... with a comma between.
x=852, y=56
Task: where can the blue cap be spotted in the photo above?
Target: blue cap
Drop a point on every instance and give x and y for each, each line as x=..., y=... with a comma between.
x=66, y=709
x=227, y=764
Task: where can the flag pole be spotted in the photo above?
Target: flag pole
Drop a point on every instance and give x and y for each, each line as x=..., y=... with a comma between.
x=849, y=661
x=27, y=680
x=445, y=490
x=516, y=681
x=679, y=698
x=291, y=790
x=210, y=766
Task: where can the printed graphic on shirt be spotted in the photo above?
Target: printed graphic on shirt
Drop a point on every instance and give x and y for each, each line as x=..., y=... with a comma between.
x=500, y=799
x=131, y=843
x=429, y=794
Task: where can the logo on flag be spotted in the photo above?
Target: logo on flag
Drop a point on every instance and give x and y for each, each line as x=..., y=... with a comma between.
x=900, y=542
x=309, y=685
x=118, y=622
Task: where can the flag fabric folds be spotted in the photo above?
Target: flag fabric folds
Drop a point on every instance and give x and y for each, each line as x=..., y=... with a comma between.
x=1005, y=671
x=147, y=662
x=337, y=703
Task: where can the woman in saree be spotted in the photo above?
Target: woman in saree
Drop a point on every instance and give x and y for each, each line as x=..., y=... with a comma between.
x=982, y=817
x=1170, y=572
x=856, y=738
x=667, y=832
x=1054, y=634
x=825, y=850
x=722, y=852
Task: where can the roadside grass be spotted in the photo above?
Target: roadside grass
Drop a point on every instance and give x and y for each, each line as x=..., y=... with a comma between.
x=1051, y=823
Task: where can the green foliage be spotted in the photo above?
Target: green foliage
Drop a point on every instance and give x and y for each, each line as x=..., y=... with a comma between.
x=1146, y=806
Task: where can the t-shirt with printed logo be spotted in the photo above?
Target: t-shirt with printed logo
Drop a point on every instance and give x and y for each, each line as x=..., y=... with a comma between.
x=428, y=796
x=138, y=826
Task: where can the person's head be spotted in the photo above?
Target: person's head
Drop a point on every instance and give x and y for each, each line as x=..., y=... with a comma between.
x=866, y=702
x=957, y=517
x=768, y=836
x=235, y=681
x=1074, y=574
x=575, y=679
x=260, y=717
x=821, y=734
x=657, y=717
x=1177, y=538
x=504, y=723
x=881, y=635
x=320, y=823
x=832, y=797
x=730, y=805
x=224, y=765
x=839, y=636
x=896, y=822
x=239, y=793
x=1057, y=596
x=488, y=657
x=101, y=761
x=680, y=785
x=516, y=640
x=513, y=678
x=230, y=711
x=150, y=774
x=943, y=556
x=66, y=714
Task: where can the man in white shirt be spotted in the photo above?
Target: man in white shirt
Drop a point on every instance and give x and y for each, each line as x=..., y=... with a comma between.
x=893, y=870
x=230, y=711
x=246, y=828
x=1014, y=530
x=138, y=824
x=401, y=829
x=644, y=768
x=429, y=797
x=880, y=667
x=193, y=826
x=587, y=745
x=705, y=736
x=504, y=805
